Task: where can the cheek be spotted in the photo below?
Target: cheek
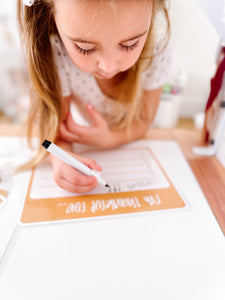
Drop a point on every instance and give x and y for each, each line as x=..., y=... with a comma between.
x=129, y=59
x=83, y=62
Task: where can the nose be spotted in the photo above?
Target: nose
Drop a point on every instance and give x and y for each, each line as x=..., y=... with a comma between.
x=108, y=64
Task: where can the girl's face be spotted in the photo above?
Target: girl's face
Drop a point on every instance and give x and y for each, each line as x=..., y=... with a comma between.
x=103, y=37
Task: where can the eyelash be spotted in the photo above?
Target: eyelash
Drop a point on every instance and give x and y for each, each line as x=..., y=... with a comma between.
x=87, y=52
x=83, y=51
x=129, y=48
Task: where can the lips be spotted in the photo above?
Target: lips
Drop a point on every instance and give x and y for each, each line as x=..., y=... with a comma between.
x=104, y=75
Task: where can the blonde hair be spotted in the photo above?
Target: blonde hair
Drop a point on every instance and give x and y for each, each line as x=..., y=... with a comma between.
x=129, y=91
x=36, y=25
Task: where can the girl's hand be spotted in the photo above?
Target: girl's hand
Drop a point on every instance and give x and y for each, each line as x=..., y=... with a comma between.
x=98, y=134
x=71, y=179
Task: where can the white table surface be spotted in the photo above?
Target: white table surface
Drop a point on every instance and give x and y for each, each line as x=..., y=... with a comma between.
x=157, y=255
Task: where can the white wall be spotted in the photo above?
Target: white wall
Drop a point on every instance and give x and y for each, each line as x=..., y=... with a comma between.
x=195, y=43
x=13, y=83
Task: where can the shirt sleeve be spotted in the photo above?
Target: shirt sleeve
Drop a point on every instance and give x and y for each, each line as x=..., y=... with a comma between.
x=62, y=65
x=157, y=74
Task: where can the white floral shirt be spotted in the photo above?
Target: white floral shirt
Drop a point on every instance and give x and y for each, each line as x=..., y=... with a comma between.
x=84, y=86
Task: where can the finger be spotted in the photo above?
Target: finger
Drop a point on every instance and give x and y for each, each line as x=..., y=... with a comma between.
x=91, y=163
x=67, y=185
x=66, y=134
x=95, y=115
x=75, y=177
x=77, y=130
x=72, y=180
x=69, y=121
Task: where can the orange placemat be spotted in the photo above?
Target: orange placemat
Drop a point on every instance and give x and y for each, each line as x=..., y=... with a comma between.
x=142, y=196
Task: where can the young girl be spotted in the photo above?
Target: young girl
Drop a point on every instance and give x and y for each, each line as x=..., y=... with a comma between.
x=109, y=57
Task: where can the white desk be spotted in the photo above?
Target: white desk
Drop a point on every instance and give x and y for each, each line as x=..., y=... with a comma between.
x=157, y=256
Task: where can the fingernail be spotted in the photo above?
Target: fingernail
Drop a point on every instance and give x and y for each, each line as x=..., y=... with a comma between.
x=89, y=106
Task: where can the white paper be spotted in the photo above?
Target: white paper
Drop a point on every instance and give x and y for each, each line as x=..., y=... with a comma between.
x=123, y=169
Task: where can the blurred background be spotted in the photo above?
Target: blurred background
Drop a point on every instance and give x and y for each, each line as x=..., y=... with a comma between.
x=14, y=85
x=195, y=43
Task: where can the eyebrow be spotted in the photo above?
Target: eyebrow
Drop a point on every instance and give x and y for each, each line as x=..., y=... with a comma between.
x=79, y=40
x=134, y=37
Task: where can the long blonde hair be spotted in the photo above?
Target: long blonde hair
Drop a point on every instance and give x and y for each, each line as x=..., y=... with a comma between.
x=36, y=25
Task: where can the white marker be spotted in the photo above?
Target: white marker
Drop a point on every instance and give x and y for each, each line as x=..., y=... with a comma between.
x=204, y=151
x=70, y=160
x=215, y=136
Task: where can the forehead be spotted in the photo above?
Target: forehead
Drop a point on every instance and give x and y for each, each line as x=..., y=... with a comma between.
x=86, y=18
